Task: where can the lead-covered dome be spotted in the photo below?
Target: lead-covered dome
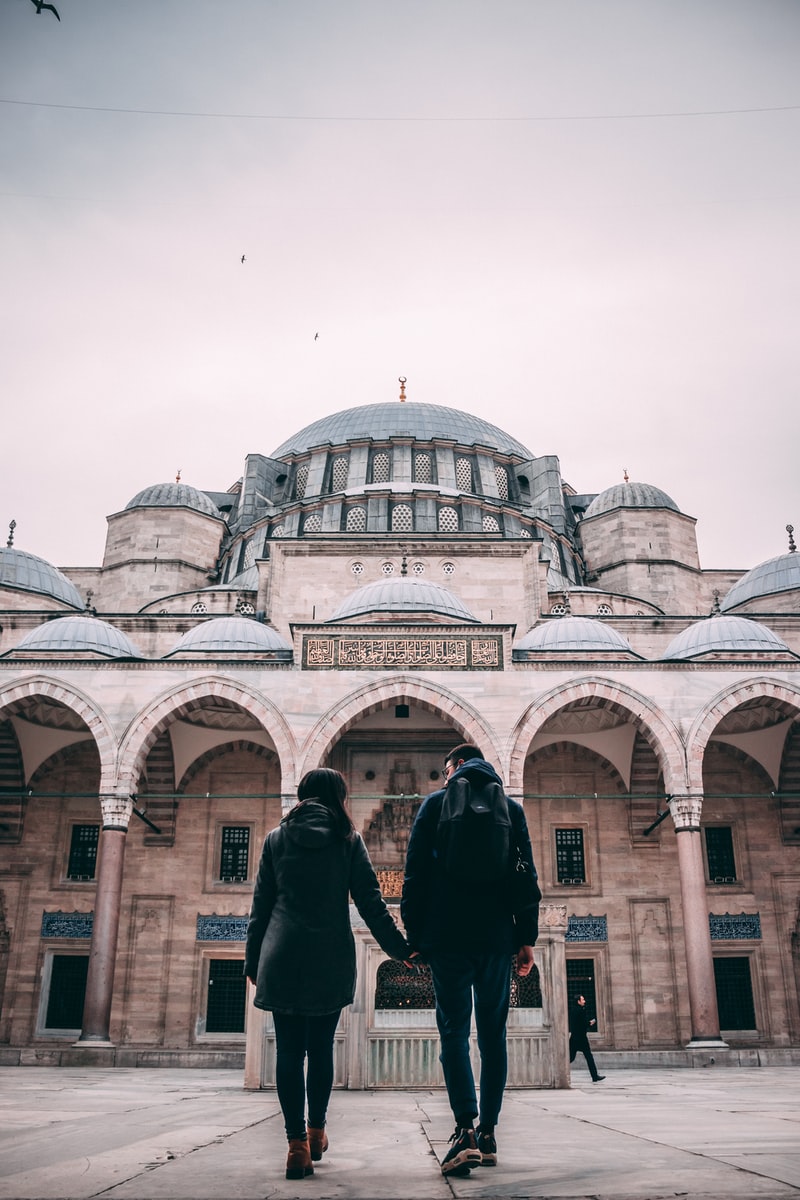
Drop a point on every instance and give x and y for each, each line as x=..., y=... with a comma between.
x=18, y=569
x=421, y=422
x=725, y=635
x=78, y=635
x=404, y=597
x=174, y=495
x=770, y=578
x=231, y=635
x=570, y=635
x=630, y=495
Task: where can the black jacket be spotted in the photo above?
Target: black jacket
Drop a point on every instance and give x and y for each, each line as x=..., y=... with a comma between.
x=578, y=1021
x=300, y=947
x=439, y=913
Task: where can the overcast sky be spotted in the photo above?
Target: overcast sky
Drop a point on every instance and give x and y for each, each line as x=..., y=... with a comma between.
x=575, y=218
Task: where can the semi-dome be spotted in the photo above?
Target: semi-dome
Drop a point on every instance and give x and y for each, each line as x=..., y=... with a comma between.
x=402, y=596
x=725, y=635
x=174, y=495
x=585, y=635
x=18, y=569
x=231, y=635
x=422, y=422
x=78, y=635
x=630, y=495
x=781, y=574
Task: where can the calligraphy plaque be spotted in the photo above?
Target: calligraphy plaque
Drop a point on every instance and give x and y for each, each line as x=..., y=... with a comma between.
x=426, y=652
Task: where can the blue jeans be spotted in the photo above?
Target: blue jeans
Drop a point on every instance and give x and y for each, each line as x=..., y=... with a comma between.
x=456, y=976
x=295, y=1039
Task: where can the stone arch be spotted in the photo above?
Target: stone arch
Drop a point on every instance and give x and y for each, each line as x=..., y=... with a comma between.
x=556, y=749
x=397, y=689
x=96, y=721
x=216, y=752
x=786, y=699
x=144, y=729
x=655, y=726
x=61, y=758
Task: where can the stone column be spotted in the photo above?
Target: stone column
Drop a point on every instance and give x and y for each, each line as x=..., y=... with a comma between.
x=697, y=936
x=102, y=956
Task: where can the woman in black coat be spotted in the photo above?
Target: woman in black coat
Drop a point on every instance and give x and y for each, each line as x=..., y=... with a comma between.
x=300, y=952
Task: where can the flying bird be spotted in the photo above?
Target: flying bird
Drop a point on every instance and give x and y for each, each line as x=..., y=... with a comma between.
x=242, y=255
x=39, y=5
x=316, y=335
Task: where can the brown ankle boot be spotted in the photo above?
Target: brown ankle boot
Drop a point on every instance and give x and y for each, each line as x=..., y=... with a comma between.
x=318, y=1142
x=298, y=1162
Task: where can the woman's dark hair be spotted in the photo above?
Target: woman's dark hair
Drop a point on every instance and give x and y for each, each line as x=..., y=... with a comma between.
x=329, y=788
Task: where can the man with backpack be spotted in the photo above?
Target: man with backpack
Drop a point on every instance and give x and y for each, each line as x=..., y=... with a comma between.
x=470, y=904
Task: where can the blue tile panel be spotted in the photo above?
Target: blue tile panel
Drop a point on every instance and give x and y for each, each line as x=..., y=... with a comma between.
x=221, y=929
x=730, y=928
x=587, y=929
x=67, y=925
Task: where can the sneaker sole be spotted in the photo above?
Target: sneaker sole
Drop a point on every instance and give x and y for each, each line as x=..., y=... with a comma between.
x=463, y=1163
x=489, y=1160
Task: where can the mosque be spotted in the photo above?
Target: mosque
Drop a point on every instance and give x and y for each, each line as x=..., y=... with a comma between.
x=394, y=579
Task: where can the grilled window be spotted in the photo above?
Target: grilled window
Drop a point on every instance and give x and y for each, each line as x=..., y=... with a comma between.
x=356, y=519
x=234, y=858
x=423, y=468
x=83, y=852
x=339, y=472
x=501, y=475
x=312, y=523
x=300, y=481
x=491, y=524
x=464, y=474
x=734, y=993
x=225, y=1003
x=570, y=861
x=380, y=467
x=448, y=519
x=402, y=518
x=67, y=991
x=719, y=854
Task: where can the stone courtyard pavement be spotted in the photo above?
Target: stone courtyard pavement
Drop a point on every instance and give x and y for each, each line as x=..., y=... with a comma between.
x=141, y=1134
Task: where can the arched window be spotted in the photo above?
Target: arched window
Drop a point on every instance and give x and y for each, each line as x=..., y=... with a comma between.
x=464, y=474
x=245, y=608
x=380, y=466
x=448, y=519
x=423, y=467
x=402, y=518
x=501, y=475
x=356, y=519
x=605, y=610
x=278, y=530
x=300, y=481
x=199, y=608
x=312, y=523
x=339, y=472
x=249, y=554
x=490, y=524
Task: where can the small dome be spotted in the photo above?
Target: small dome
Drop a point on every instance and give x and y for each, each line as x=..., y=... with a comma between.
x=174, y=495
x=725, y=635
x=31, y=574
x=630, y=495
x=574, y=634
x=781, y=574
x=231, y=635
x=402, y=596
x=422, y=422
x=79, y=635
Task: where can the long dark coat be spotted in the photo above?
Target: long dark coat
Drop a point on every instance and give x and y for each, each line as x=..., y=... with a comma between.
x=300, y=947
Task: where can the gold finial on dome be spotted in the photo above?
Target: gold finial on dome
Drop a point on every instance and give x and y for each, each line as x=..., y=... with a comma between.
x=178, y=476
x=792, y=547
x=12, y=526
x=625, y=475
x=402, y=381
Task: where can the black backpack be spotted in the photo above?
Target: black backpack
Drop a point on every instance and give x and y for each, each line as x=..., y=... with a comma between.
x=474, y=832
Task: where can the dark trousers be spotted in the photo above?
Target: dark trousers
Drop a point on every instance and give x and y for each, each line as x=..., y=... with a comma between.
x=578, y=1043
x=457, y=976
x=295, y=1039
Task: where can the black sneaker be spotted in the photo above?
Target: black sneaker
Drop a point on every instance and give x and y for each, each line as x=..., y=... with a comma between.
x=463, y=1154
x=597, y=1078
x=488, y=1148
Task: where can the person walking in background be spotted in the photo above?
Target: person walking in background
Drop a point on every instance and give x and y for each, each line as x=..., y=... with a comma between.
x=300, y=951
x=470, y=902
x=579, y=1026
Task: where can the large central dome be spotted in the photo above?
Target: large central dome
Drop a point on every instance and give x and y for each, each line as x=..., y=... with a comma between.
x=422, y=422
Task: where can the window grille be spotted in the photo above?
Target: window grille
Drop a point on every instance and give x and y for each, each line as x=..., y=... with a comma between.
x=67, y=991
x=605, y=610
x=83, y=852
x=249, y=554
x=581, y=982
x=734, y=993
x=448, y=519
x=356, y=519
x=245, y=608
x=387, y=568
x=501, y=475
x=402, y=518
x=300, y=481
x=491, y=524
x=398, y=987
x=464, y=474
x=418, y=568
x=423, y=468
x=719, y=854
x=570, y=861
x=524, y=532
x=225, y=1005
x=340, y=472
x=234, y=856
x=558, y=610
x=380, y=467
x=357, y=568
x=448, y=569
x=312, y=523
x=278, y=530
x=199, y=608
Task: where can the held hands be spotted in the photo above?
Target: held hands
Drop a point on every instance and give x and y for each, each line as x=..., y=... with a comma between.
x=524, y=961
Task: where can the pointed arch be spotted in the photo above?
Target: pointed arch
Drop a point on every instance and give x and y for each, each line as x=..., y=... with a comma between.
x=398, y=689
x=146, y=726
x=785, y=697
x=658, y=730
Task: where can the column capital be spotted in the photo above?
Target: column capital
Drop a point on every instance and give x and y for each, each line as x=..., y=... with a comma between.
x=686, y=810
x=117, y=810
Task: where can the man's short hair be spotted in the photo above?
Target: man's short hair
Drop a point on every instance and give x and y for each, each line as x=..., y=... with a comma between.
x=465, y=751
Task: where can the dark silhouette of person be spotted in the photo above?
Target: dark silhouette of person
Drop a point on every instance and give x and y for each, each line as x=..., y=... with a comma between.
x=579, y=1025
